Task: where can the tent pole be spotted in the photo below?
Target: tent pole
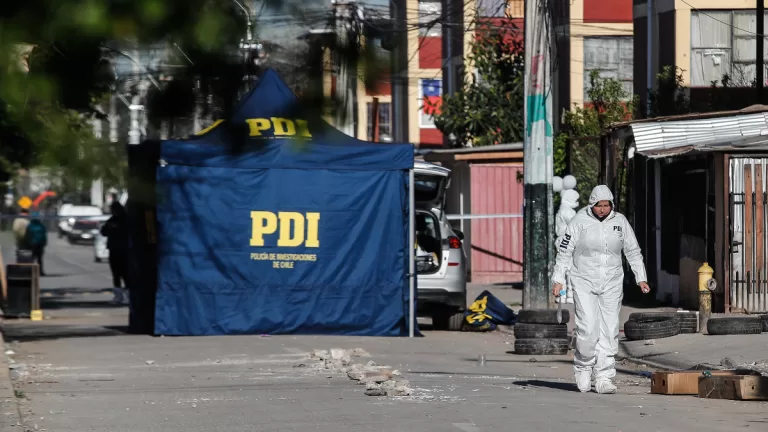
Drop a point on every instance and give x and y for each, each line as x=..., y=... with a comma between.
x=411, y=251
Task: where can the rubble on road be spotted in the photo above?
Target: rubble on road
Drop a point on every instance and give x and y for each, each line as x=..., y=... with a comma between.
x=378, y=380
x=760, y=366
x=389, y=388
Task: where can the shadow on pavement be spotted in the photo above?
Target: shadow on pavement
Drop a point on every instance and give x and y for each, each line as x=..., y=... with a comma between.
x=41, y=332
x=548, y=384
x=76, y=298
x=510, y=285
x=57, y=304
x=479, y=374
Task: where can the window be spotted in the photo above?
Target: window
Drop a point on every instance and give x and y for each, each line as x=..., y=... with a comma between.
x=429, y=101
x=723, y=43
x=430, y=12
x=491, y=8
x=612, y=57
x=385, y=121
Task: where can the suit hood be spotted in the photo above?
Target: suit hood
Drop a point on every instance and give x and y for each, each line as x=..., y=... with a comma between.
x=569, y=198
x=601, y=193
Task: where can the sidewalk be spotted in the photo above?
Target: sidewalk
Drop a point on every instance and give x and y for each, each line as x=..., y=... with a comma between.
x=9, y=409
x=686, y=351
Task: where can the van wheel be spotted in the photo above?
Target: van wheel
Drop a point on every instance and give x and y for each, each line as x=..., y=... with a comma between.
x=97, y=259
x=447, y=321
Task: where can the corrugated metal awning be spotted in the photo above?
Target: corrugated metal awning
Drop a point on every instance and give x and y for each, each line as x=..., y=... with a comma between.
x=668, y=138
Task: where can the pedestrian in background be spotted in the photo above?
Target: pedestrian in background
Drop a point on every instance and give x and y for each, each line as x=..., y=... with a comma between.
x=590, y=253
x=36, y=239
x=116, y=232
x=20, y=224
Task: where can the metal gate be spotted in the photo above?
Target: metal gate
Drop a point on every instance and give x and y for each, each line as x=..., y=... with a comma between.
x=749, y=230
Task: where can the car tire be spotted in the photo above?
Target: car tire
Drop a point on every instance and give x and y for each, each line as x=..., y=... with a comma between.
x=651, y=328
x=734, y=326
x=764, y=321
x=541, y=346
x=97, y=259
x=542, y=316
x=448, y=321
x=540, y=331
x=689, y=322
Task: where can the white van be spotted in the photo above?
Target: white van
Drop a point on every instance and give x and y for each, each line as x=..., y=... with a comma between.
x=69, y=214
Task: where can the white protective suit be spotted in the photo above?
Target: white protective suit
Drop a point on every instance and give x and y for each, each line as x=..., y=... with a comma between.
x=569, y=200
x=590, y=253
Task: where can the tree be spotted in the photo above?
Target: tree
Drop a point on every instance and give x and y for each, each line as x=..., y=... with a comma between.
x=669, y=97
x=607, y=103
x=46, y=109
x=488, y=109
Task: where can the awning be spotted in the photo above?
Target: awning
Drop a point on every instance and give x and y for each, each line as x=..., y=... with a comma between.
x=666, y=138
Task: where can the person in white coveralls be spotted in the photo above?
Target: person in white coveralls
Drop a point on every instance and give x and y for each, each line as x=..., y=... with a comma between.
x=569, y=200
x=590, y=252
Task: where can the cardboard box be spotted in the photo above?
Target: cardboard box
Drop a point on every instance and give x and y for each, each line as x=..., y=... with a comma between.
x=741, y=387
x=685, y=382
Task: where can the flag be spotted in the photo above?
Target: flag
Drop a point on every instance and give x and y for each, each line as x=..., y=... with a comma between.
x=431, y=91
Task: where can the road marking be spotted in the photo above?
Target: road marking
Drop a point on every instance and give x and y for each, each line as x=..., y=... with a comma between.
x=467, y=427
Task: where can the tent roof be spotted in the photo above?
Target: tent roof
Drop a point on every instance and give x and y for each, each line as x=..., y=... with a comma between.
x=249, y=139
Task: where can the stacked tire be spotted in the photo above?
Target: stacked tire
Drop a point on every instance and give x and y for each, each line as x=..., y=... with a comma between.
x=655, y=325
x=537, y=332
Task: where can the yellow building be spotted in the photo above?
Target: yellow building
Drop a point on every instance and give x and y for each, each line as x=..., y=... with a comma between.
x=706, y=39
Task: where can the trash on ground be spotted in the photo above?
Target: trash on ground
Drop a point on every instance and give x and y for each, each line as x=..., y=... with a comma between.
x=486, y=313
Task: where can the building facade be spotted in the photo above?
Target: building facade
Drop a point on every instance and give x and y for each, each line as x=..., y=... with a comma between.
x=591, y=34
x=705, y=39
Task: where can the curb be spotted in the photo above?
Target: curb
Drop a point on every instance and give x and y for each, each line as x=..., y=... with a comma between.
x=658, y=365
x=10, y=420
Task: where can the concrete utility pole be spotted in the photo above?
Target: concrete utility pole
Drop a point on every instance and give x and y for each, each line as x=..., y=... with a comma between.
x=134, y=134
x=97, y=185
x=346, y=81
x=450, y=21
x=760, y=51
x=399, y=71
x=538, y=243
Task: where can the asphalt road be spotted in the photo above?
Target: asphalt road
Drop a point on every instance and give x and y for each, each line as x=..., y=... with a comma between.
x=81, y=373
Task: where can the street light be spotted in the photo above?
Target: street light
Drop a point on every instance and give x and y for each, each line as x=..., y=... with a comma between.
x=248, y=20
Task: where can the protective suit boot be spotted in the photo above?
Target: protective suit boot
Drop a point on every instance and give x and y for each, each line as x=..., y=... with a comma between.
x=583, y=380
x=605, y=386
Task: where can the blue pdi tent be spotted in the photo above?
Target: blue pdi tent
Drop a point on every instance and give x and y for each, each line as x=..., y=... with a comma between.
x=275, y=222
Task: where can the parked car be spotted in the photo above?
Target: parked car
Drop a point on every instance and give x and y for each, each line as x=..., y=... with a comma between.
x=84, y=230
x=442, y=283
x=100, y=251
x=69, y=214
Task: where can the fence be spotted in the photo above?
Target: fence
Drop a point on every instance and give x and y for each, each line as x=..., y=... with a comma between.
x=749, y=231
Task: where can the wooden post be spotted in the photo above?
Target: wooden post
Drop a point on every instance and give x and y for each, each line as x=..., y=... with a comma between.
x=375, y=119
